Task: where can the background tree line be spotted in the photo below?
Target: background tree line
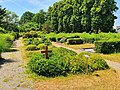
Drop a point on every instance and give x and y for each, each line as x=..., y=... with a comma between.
x=64, y=16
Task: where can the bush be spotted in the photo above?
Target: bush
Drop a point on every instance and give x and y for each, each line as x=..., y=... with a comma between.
x=41, y=46
x=74, y=41
x=107, y=47
x=31, y=47
x=55, y=66
x=31, y=34
x=6, y=42
x=94, y=62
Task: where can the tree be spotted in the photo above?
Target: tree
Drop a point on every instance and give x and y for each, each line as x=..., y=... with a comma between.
x=82, y=15
x=40, y=17
x=26, y=17
x=46, y=27
x=2, y=15
x=11, y=21
x=29, y=26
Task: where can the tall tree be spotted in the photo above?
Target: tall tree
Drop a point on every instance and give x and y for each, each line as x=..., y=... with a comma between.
x=11, y=21
x=26, y=17
x=40, y=17
x=2, y=15
x=82, y=15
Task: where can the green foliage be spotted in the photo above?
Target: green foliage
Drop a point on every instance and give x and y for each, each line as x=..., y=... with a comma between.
x=29, y=26
x=96, y=62
x=82, y=16
x=40, y=17
x=11, y=22
x=74, y=41
x=63, y=62
x=108, y=46
x=33, y=41
x=31, y=47
x=92, y=63
x=41, y=46
x=6, y=41
x=2, y=15
x=2, y=30
x=55, y=66
x=26, y=17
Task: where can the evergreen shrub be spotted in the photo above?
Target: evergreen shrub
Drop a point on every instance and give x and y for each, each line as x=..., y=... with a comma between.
x=107, y=46
x=74, y=41
x=31, y=47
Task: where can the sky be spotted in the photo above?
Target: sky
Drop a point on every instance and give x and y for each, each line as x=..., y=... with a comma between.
x=21, y=6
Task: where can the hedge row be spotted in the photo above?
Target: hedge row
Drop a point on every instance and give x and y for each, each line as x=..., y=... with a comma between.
x=107, y=47
x=75, y=41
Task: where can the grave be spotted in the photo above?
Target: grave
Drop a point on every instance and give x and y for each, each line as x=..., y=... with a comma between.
x=46, y=52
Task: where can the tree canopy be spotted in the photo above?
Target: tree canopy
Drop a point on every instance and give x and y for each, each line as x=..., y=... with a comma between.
x=82, y=15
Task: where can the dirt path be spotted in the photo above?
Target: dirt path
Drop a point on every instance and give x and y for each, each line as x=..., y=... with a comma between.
x=112, y=64
x=12, y=76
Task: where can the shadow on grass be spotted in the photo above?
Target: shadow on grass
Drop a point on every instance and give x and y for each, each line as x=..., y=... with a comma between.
x=3, y=61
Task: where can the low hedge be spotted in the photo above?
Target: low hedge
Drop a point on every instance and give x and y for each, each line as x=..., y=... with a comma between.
x=31, y=47
x=107, y=47
x=74, y=41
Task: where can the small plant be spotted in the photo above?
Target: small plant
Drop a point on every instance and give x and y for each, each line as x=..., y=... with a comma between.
x=41, y=46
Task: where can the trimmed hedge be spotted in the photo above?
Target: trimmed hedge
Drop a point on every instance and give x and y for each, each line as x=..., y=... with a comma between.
x=31, y=47
x=107, y=47
x=74, y=41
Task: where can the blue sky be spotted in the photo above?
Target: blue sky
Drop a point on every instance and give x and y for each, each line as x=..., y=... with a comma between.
x=20, y=6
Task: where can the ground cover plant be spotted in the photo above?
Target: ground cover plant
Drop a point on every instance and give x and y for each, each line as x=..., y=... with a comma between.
x=62, y=62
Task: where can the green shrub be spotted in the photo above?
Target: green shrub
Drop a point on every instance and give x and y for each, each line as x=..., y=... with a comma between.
x=2, y=30
x=6, y=41
x=31, y=34
x=31, y=47
x=41, y=46
x=94, y=62
x=109, y=46
x=55, y=66
x=74, y=41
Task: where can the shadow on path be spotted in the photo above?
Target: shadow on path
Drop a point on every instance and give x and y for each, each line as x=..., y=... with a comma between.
x=11, y=50
x=4, y=61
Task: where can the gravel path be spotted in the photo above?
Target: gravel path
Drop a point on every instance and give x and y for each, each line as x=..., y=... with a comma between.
x=12, y=76
x=112, y=64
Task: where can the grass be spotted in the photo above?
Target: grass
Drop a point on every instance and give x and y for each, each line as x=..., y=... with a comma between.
x=87, y=45
x=112, y=57
x=100, y=80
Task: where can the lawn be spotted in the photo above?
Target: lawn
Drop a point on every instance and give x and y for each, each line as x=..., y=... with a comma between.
x=100, y=80
x=79, y=46
x=112, y=57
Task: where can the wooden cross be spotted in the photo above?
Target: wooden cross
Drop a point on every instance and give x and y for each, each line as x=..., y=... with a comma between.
x=46, y=52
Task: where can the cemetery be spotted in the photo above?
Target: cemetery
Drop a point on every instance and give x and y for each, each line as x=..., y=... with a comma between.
x=71, y=46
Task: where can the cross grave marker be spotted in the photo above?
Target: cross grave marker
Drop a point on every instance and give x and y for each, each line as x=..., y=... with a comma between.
x=46, y=52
